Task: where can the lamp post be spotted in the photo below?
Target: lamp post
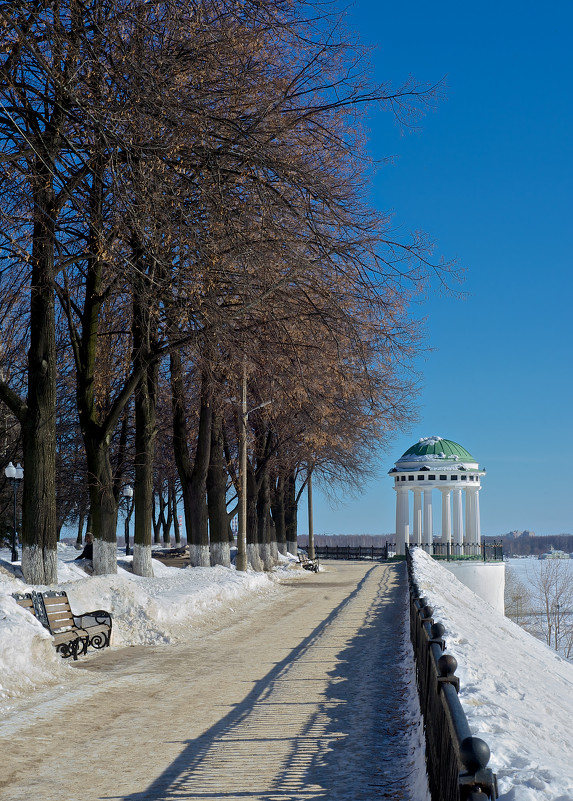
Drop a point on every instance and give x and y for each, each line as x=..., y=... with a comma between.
x=14, y=476
x=311, y=553
x=127, y=493
x=241, y=557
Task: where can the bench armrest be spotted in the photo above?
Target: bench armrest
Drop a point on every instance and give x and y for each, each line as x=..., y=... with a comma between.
x=99, y=617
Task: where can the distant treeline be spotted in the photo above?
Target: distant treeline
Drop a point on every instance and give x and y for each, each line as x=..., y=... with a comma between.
x=533, y=546
x=351, y=540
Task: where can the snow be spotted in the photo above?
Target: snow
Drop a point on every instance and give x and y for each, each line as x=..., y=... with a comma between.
x=516, y=692
x=149, y=611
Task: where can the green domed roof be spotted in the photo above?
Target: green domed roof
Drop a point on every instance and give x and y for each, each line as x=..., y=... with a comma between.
x=438, y=448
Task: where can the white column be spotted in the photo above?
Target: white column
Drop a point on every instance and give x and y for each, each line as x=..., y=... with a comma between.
x=418, y=516
x=468, y=531
x=477, y=524
x=470, y=517
x=458, y=517
x=398, y=516
x=428, y=523
x=402, y=519
x=446, y=515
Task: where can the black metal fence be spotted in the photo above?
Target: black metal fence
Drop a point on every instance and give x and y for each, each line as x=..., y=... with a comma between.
x=484, y=551
x=456, y=761
x=351, y=552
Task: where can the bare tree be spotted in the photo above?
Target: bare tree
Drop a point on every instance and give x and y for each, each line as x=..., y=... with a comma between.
x=552, y=601
x=517, y=599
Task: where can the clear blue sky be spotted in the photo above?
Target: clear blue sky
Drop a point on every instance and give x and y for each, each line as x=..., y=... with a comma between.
x=489, y=176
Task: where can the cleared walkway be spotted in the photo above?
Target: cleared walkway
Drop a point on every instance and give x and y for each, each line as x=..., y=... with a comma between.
x=297, y=696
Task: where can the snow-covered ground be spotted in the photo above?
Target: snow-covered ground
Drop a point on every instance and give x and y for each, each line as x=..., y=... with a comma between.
x=144, y=610
x=517, y=693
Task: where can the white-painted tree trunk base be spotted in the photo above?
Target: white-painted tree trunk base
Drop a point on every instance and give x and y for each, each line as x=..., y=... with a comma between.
x=39, y=568
x=253, y=557
x=292, y=547
x=199, y=556
x=51, y=567
x=105, y=558
x=274, y=551
x=142, y=564
x=266, y=557
x=221, y=553
x=282, y=548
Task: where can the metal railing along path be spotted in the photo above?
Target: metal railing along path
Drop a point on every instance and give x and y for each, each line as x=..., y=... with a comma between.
x=484, y=551
x=456, y=760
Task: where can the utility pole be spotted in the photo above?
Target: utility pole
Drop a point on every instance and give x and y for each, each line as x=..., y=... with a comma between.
x=310, y=517
x=241, y=558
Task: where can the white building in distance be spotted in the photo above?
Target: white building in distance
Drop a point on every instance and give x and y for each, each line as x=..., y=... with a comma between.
x=439, y=464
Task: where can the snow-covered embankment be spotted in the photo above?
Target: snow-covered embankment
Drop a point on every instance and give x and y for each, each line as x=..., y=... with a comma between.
x=516, y=692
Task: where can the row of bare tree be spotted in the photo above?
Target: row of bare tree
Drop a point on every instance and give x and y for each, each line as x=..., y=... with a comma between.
x=183, y=201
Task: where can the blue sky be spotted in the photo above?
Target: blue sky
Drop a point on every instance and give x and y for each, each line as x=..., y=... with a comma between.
x=489, y=176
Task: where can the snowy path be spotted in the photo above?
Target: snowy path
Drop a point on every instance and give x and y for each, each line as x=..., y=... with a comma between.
x=296, y=696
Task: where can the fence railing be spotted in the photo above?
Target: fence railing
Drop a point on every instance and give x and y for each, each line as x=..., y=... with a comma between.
x=485, y=551
x=351, y=552
x=456, y=761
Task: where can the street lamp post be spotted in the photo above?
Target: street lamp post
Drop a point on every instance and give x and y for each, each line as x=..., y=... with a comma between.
x=241, y=557
x=14, y=476
x=127, y=493
x=311, y=552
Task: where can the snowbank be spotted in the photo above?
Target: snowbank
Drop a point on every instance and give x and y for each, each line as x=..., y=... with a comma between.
x=148, y=611
x=516, y=692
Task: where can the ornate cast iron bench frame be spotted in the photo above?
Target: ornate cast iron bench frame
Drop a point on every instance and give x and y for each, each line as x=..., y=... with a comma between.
x=306, y=563
x=73, y=634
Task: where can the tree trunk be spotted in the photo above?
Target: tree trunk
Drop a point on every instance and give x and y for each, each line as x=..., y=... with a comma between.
x=156, y=512
x=197, y=523
x=291, y=514
x=96, y=435
x=278, y=513
x=145, y=429
x=253, y=551
x=166, y=519
x=174, y=512
x=39, y=535
x=145, y=400
x=193, y=478
x=263, y=514
x=103, y=504
x=219, y=528
x=79, y=538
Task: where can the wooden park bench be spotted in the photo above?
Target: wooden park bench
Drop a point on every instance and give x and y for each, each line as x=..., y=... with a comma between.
x=73, y=634
x=172, y=557
x=306, y=563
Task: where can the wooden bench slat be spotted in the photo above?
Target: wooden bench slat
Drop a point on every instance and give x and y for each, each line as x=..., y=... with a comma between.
x=27, y=603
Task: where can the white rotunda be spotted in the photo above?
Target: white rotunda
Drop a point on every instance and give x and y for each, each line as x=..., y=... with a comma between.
x=432, y=464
